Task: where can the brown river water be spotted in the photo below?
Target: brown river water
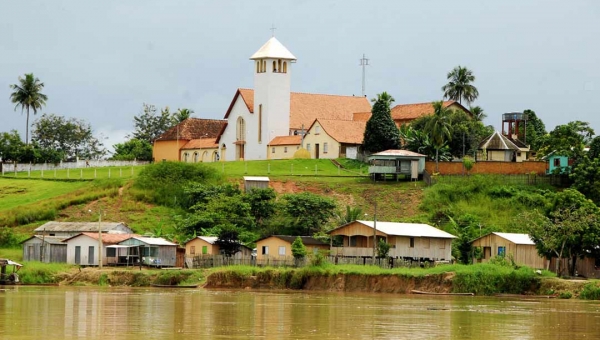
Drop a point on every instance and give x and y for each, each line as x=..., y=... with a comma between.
x=155, y=313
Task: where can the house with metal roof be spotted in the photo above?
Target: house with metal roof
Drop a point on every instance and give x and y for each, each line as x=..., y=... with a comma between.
x=206, y=246
x=519, y=246
x=154, y=251
x=498, y=147
x=84, y=248
x=395, y=163
x=279, y=247
x=414, y=241
x=45, y=249
x=68, y=229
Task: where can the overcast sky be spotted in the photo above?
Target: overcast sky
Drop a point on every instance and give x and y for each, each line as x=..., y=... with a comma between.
x=100, y=60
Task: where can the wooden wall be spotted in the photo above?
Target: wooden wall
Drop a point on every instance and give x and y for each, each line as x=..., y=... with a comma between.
x=52, y=252
x=523, y=254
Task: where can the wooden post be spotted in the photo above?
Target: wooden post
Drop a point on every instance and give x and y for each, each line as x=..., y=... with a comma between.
x=375, y=233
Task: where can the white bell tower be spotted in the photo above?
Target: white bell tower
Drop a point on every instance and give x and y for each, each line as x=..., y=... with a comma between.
x=272, y=75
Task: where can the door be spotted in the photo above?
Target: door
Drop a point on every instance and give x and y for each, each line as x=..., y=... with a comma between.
x=487, y=253
x=30, y=253
x=317, y=151
x=78, y=255
x=91, y=255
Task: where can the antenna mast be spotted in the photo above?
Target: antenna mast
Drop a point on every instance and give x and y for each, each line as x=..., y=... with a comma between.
x=364, y=62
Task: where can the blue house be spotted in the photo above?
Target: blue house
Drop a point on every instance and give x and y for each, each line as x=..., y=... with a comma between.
x=556, y=163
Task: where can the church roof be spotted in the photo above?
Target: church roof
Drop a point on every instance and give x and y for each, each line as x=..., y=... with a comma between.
x=194, y=128
x=418, y=110
x=273, y=49
x=344, y=131
x=306, y=107
x=498, y=141
x=202, y=143
x=286, y=140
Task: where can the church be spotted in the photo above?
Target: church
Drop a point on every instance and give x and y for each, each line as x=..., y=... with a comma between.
x=270, y=121
x=266, y=122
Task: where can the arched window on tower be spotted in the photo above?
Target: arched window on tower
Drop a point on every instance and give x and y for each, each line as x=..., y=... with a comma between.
x=240, y=129
x=264, y=66
x=279, y=65
x=258, y=67
x=274, y=66
x=284, y=67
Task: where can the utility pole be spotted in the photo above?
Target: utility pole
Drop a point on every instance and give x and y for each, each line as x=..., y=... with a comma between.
x=100, y=239
x=364, y=62
x=375, y=234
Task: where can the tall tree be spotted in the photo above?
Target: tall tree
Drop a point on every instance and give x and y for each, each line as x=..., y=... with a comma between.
x=459, y=85
x=439, y=129
x=149, y=125
x=132, y=149
x=27, y=94
x=308, y=211
x=72, y=137
x=182, y=114
x=11, y=146
x=381, y=132
x=535, y=129
x=567, y=140
x=594, y=151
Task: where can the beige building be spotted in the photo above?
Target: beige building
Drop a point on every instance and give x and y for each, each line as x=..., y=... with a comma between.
x=168, y=147
x=498, y=147
x=284, y=147
x=408, y=240
x=280, y=246
x=206, y=246
x=519, y=246
x=200, y=150
x=331, y=138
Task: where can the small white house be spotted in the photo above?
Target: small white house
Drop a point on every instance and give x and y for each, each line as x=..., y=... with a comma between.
x=82, y=249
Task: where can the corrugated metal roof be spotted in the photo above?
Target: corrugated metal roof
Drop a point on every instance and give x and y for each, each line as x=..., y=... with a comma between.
x=48, y=239
x=106, y=238
x=256, y=178
x=516, y=238
x=408, y=229
x=209, y=239
x=393, y=152
x=155, y=241
x=79, y=226
x=306, y=240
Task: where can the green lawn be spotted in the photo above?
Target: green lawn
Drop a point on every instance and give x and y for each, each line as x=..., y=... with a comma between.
x=81, y=173
x=285, y=167
x=17, y=192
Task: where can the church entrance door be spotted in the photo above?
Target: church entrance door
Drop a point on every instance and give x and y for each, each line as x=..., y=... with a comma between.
x=317, y=151
x=240, y=149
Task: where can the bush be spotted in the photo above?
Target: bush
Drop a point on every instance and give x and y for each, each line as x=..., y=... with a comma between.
x=591, y=291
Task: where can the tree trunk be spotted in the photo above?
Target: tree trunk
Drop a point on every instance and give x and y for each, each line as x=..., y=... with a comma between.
x=572, y=269
x=27, y=128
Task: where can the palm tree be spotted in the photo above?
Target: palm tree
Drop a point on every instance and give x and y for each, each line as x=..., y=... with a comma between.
x=459, y=86
x=183, y=114
x=439, y=129
x=478, y=113
x=28, y=95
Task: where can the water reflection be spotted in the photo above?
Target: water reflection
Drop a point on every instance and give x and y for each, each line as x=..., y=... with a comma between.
x=119, y=313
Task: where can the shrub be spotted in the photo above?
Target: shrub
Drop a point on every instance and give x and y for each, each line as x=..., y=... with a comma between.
x=591, y=291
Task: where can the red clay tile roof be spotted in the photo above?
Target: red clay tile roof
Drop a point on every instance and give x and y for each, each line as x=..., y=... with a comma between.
x=344, y=131
x=414, y=111
x=286, y=140
x=194, y=128
x=306, y=107
x=362, y=116
x=110, y=238
x=202, y=143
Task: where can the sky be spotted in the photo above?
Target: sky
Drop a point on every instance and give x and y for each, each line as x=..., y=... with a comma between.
x=101, y=60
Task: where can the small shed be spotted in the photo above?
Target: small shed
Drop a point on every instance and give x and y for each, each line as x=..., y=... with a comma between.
x=205, y=245
x=397, y=162
x=280, y=246
x=520, y=246
x=68, y=229
x=45, y=249
x=155, y=251
x=253, y=182
x=557, y=163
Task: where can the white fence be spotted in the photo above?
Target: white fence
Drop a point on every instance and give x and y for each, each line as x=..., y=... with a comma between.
x=24, y=167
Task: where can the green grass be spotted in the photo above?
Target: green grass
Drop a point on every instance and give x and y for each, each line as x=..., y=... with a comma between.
x=17, y=192
x=15, y=254
x=39, y=273
x=283, y=167
x=81, y=173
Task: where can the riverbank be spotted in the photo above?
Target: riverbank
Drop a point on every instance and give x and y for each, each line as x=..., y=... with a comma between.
x=479, y=279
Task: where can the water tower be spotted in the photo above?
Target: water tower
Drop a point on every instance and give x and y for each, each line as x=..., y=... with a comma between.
x=512, y=122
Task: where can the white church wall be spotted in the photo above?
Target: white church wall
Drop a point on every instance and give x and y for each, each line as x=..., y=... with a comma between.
x=252, y=151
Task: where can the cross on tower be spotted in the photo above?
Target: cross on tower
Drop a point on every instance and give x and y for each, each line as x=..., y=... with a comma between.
x=273, y=28
x=363, y=62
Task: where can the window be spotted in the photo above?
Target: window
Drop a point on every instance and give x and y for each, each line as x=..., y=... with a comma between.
x=111, y=252
x=308, y=147
x=273, y=150
x=185, y=157
x=274, y=66
x=317, y=130
x=265, y=250
x=325, y=147
x=284, y=67
x=193, y=250
x=412, y=242
x=556, y=161
x=501, y=251
x=285, y=149
x=260, y=123
x=258, y=67
x=195, y=157
x=241, y=129
x=264, y=66
x=204, y=250
x=281, y=251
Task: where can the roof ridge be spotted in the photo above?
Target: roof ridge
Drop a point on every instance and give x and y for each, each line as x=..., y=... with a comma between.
x=424, y=103
x=330, y=95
